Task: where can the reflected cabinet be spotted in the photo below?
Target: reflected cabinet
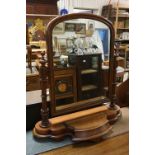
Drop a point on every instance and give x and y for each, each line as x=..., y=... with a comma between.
x=65, y=86
x=88, y=74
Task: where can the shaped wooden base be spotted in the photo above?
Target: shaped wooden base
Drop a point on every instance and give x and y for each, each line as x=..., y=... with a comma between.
x=91, y=124
x=89, y=128
x=113, y=113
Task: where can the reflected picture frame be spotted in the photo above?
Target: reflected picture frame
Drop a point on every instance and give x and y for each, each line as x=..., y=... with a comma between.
x=59, y=29
x=80, y=28
x=70, y=27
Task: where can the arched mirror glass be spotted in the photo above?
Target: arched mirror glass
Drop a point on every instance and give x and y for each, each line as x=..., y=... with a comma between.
x=79, y=48
x=80, y=37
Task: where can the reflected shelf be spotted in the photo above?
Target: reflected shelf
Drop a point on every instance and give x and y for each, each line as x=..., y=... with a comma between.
x=89, y=87
x=89, y=71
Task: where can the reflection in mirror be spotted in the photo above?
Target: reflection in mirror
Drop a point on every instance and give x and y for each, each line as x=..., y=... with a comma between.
x=80, y=46
x=81, y=36
x=85, y=40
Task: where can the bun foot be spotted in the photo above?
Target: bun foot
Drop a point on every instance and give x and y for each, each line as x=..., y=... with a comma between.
x=113, y=113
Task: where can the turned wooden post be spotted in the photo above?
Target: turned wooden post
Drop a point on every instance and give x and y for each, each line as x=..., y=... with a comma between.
x=113, y=96
x=43, y=84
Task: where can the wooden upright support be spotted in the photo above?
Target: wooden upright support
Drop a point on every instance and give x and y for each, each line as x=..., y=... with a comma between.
x=114, y=113
x=43, y=83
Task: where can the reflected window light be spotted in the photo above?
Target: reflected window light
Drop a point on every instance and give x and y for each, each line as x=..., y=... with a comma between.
x=83, y=11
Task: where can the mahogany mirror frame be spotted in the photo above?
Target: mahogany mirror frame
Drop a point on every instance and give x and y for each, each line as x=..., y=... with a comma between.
x=48, y=34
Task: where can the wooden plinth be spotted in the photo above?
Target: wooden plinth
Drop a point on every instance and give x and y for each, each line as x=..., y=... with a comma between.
x=91, y=124
x=89, y=128
x=56, y=132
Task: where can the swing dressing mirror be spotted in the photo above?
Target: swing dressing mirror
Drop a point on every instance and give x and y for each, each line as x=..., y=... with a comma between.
x=77, y=46
x=79, y=106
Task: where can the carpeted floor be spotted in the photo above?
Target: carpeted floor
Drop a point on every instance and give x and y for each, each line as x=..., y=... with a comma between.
x=34, y=146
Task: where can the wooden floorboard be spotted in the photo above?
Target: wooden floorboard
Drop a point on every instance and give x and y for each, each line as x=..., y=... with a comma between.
x=118, y=145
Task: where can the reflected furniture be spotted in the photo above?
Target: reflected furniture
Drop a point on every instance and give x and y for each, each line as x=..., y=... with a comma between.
x=65, y=85
x=88, y=74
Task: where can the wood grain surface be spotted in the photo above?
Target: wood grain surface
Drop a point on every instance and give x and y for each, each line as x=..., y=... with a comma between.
x=75, y=115
x=118, y=145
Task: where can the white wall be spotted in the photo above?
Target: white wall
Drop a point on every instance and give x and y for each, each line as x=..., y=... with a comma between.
x=92, y=4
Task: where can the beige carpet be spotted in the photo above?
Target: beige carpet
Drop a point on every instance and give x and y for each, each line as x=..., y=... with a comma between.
x=122, y=126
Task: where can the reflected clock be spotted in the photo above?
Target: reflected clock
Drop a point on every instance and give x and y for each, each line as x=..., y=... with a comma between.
x=63, y=86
